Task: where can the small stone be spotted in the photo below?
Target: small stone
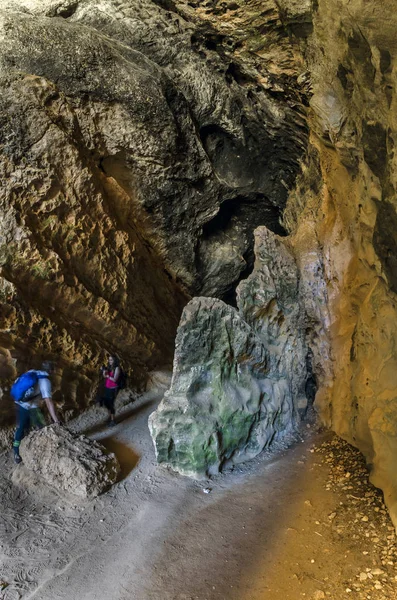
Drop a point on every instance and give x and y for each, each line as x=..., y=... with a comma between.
x=207, y=490
x=318, y=595
x=364, y=519
x=378, y=585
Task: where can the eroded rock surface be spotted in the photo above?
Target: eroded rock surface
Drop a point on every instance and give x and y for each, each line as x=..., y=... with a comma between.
x=344, y=234
x=270, y=302
x=141, y=143
x=72, y=465
x=239, y=378
x=215, y=411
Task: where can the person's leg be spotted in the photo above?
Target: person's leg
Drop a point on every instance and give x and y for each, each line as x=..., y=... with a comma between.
x=109, y=399
x=23, y=422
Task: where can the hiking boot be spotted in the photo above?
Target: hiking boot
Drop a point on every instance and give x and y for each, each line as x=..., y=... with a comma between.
x=17, y=458
x=111, y=423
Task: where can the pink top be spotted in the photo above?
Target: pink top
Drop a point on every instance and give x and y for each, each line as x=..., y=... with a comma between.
x=109, y=383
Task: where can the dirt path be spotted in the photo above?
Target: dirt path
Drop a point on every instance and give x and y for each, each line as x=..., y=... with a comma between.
x=303, y=523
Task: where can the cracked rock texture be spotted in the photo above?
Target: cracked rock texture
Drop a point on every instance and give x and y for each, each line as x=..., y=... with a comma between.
x=141, y=143
x=342, y=217
x=73, y=465
x=239, y=377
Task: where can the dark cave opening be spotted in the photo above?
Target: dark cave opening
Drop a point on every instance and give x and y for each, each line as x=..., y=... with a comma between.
x=238, y=218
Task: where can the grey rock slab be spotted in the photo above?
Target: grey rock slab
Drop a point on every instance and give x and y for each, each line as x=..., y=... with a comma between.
x=222, y=407
x=270, y=301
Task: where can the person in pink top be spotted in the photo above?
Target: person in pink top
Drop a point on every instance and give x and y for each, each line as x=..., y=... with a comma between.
x=111, y=374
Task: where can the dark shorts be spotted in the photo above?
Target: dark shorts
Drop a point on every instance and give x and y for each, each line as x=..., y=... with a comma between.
x=108, y=399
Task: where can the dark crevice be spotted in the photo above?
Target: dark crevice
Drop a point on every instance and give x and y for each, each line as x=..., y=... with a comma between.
x=311, y=384
x=237, y=219
x=168, y=5
x=385, y=241
x=385, y=62
x=67, y=11
x=235, y=72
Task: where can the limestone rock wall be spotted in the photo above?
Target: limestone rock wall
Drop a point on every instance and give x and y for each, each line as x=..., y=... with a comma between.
x=342, y=221
x=141, y=143
x=341, y=213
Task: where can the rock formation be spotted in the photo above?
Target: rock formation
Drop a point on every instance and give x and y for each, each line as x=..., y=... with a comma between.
x=138, y=152
x=141, y=144
x=73, y=466
x=340, y=218
x=342, y=215
x=239, y=379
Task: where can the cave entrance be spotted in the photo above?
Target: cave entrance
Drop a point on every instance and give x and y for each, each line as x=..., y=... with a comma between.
x=232, y=230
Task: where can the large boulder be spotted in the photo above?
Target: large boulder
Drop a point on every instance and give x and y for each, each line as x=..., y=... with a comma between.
x=70, y=464
x=223, y=406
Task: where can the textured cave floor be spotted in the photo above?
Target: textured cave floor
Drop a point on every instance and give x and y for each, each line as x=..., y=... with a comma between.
x=301, y=523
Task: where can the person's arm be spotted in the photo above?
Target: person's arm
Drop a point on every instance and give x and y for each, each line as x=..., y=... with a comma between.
x=115, y=375
x=51, y=409
x=46, y=394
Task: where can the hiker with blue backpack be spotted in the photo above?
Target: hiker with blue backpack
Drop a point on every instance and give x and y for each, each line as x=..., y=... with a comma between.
x=29, y=391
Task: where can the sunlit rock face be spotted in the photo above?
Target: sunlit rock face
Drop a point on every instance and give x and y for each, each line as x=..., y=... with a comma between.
x=141, y=143
x=239, y=376
x=343, y=219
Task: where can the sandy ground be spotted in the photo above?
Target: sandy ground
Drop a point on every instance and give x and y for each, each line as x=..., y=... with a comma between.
x=302, y=522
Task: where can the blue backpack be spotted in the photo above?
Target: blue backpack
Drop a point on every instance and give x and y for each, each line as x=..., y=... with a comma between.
x=23, y=387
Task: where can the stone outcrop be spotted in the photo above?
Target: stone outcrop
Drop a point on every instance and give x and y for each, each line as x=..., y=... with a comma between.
x=216, y=407
x=269, y=301
x=239, y=379
x=139, y=149
x=142, y=142
x=72, y=465
x=342, y=220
